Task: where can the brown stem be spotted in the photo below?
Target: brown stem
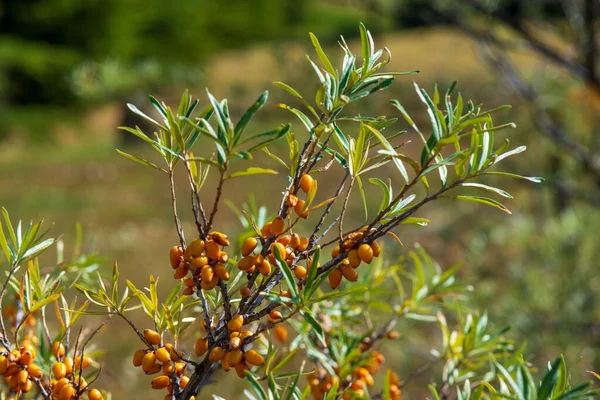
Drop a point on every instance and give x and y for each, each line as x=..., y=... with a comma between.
x=174, y=207
x=217, y=197
x=343, y=212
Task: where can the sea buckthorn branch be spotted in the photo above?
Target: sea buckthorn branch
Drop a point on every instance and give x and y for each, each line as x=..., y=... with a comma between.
x=197, y=207
x=178, y=226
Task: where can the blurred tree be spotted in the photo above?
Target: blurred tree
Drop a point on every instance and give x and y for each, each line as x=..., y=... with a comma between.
x=42, y=43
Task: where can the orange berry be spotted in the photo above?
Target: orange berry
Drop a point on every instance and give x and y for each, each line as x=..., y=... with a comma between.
x=68, y=361
x=277, y=226
x=58, y=349
x=223, y=257
x=285, y=240
x=354, y=258
x=300, y=272
x=376, y=249
x=148, y=362
x=152, y=337
x=235, y=343
x=280, y=248
x=198, y=262
x=236, y=323
x=82, y=364
x=246, y=263
x=303, y=244
x=306, y=183
x=264, y=267
x=163, y=355
x=27, y=386
x=275, y=315
x=220, y=238
x=60, y=370
x=160, y=382
x=281, y=333
x=234, y=357
x=365, y=252
x=183, y=381
x=266, y=230
x=252, y=357
x=245, y=291
x=393, y=335
x=216, y=354
x=27, y=358
x=294, y=240
x=349, y=272
x=194, y=249
x=292, y=200
x=249, y=246
x=95, y=394
x=207, y=273
x=175, y=255
x=245, y=333
x=335, y=278
x=180, y=272
x=335, y=252
x=34, y=370
x=299, y=209
x=179, y=368
x=212, y=249
x=67, y=392
x=168, y=368
x=240, y=370
x=22, y=377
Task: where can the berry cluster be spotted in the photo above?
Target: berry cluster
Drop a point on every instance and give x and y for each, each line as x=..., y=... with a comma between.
x=165, y=359
x=356, y=255
x=204, y=259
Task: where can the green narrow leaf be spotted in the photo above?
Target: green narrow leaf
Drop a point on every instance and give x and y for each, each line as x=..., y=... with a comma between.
x=141, y=161
x=318, y=329
x=483, y=200
x=251, y=171
x=488, y=188
x=260, y=392
x=322, y=56
x=239, y=128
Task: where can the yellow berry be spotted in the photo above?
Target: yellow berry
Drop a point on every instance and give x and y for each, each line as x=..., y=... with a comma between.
x=335, y=278
x=354, y=258
x=365, y=252
x=236, y=323
x=162, y=355
x=207, y=273
x=216, y=354
x=277, y=226
x=60, y=370
x=152, y=337
x=281, y=333
x=194, y=249
x=175, y=255
x=160, y=382
x=201, y=347
x=306, y=183
x=252, y=357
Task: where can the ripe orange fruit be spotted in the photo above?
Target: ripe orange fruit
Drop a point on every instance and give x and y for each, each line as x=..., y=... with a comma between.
x=277, y=226
x=303, y=245
x=58, y=349
x=198, y=262
x=280, y=248
x=221, y=271
x=183, y=381
x=246, y=263
x=180, y=272
x=137, y=357
x=245, y=291
x=152, y=337
x=168, y=368
x=354, y=258
x=160, y=382
x=82, y=364
x=365, y=252
x=335, y=278
x=22, y=377
x=266, y=230
x=264, y=267
x=194, y=249
x=67, y=392
x=34, y=370
x=294, y=240
x=240, y=370
x=148, y=362
x=207, y=273
x=212, y=249
x=95, y=394
x=376, y=249
x=393, y=335
x=252, y=357
x=236, y=323
x=349, y=272
x=216, y=354
x=299, y=209
x=234, y=357
x=162, y=355
x=175, y=255
x=220, y=238
x=292, y=200
x=235, y=343
x=300, y=272
x=249, y=246
x=281, y=333
x=60, y=370
x=306, y=183
x=275, y=315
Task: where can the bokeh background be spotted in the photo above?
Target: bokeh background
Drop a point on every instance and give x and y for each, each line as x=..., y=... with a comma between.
x=68, y=67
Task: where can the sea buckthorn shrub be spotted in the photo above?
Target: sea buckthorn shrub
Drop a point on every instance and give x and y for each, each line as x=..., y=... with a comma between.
x=297, y=302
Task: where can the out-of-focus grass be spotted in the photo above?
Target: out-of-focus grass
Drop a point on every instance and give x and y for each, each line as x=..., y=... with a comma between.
x=126, y=207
